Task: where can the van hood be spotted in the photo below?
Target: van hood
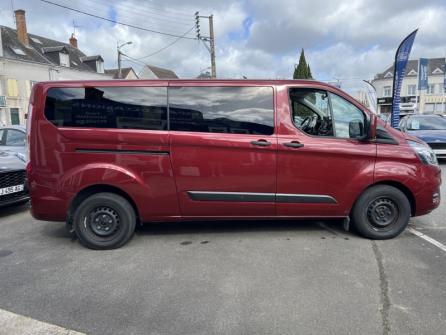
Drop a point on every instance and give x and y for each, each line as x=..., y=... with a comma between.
x=10, y=161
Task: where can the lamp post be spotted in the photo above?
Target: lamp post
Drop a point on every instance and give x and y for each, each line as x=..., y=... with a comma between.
x=118, y=48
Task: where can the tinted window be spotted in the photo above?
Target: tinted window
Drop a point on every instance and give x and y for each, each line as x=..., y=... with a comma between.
x=15, y=138
x=1, y=136
x=237, y=110
x=108, y=107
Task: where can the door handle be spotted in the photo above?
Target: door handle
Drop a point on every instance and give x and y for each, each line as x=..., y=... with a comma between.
x=261, y=143
x=293, y=144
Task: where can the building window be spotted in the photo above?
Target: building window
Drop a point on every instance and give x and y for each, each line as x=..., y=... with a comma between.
x=387, y=91
x=13, y=90
x=64, y=59
x=431, y=89
x=429, y=108
x=15, y=118
x=411, y=89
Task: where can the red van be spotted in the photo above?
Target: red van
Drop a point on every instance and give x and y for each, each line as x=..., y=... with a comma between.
x=106, y=155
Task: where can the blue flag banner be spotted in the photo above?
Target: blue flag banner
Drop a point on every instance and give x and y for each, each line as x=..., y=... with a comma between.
x=401, y=58
x=422, y=74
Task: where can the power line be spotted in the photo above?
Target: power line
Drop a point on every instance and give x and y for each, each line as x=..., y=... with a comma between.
x=166, y=46
x=114, y=21
x=153, y=15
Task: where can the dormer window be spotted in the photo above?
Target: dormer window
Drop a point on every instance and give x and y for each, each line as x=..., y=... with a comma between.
x=96, y=63
x=100, y=66
x=64, y=59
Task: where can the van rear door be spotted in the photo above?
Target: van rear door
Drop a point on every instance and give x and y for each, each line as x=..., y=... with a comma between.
x=223, y=149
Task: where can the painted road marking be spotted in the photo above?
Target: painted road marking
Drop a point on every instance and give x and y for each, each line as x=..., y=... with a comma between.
x=15, y=324
x=427, y=238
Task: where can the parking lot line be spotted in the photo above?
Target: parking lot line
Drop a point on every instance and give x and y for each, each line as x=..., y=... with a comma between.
x=427, y=238
x=15, y=324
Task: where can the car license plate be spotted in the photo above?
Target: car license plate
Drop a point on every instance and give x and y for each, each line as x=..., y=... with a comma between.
x=11, y=189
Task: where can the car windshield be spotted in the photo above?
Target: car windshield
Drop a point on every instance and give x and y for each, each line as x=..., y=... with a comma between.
x=427, y=123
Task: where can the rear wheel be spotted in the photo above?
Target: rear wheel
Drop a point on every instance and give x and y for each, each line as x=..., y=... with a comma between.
x=104, y=221
x=381, y=212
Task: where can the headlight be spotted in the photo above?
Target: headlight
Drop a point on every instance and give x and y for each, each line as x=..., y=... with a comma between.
x=424, y=152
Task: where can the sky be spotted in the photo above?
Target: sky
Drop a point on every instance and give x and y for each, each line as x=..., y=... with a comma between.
x=343, y=40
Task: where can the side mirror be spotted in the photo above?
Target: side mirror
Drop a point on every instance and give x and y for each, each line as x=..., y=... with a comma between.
x=356, y=129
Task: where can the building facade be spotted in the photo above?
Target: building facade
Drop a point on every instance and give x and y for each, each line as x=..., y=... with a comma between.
x=430, y=101
x=27, y=58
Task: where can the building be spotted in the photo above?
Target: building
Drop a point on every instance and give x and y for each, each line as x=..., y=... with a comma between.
x=126, y=73
x=154, y=72
x=27, y=58
x=432, y=100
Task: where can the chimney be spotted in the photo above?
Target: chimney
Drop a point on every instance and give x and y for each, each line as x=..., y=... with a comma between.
x=73, y=41
x=20, y=20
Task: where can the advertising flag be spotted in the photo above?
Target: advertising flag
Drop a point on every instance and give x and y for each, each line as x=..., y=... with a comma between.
x=422, y=74
x=401, y=58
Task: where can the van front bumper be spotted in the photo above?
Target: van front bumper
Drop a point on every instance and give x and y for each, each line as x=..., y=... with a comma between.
x=429, y=196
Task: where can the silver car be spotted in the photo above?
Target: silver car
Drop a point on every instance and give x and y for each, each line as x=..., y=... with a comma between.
x=13, y=138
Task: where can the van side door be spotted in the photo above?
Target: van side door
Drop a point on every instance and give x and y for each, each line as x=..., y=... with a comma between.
x=322, y=165
x=223, y=148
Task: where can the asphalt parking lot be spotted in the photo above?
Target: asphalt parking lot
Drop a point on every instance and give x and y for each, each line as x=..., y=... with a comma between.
x=227, y=278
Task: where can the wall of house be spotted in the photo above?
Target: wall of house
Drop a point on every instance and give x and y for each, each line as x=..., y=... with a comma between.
x=17, y=78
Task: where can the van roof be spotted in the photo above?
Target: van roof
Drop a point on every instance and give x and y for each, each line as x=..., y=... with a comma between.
x=195, y=81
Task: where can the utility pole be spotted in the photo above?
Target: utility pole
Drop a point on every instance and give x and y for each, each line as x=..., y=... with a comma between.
x=207, y=39
x=118, y=48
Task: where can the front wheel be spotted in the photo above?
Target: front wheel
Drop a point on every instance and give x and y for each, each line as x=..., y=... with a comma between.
x=104, y=221
x=381, y=212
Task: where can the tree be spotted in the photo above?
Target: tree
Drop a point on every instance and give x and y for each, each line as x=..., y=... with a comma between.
x=302, y=70
x=310, y=76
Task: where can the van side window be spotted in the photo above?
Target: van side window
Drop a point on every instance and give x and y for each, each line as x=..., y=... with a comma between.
x=108, y=107
x=311, y=111
x=345, y=113
x=319, y=113
x=237, y=110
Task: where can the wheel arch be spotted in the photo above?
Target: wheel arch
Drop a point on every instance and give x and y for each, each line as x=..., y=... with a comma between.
x=97, y=188
x=398, y=185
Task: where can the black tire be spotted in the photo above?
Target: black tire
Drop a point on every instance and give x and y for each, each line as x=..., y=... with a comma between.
x=104, y=221
x=381, y=212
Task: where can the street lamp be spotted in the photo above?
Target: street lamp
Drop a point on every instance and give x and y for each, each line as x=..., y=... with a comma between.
x=118, y=48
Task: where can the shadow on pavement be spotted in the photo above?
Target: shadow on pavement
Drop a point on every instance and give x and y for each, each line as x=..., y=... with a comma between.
x=212, y=227
x=13, y=209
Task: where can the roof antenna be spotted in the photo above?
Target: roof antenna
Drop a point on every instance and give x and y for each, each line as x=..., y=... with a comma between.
x=74, y=27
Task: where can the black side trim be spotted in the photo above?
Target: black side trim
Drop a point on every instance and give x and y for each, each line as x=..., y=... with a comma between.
x=231, y=196
x=260, y=197
x=126, y=152
x=305, y=198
